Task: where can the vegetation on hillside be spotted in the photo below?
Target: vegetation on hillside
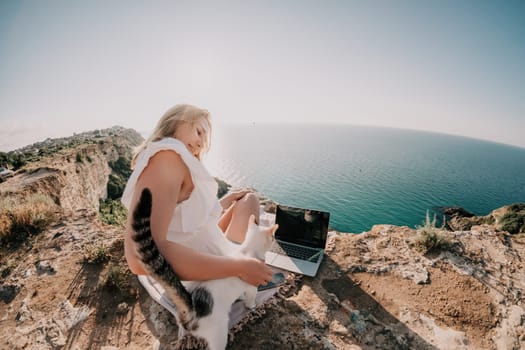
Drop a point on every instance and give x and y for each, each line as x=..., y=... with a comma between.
x=35, y=152
x=112, y=212
x=22, y=217
x=120, y=172
x=513, y=221
x=97, y=254
x=19, y=158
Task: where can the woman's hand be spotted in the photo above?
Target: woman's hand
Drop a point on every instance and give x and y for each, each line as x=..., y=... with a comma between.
x=255, y=272
x=241, y=193
x=232, y=197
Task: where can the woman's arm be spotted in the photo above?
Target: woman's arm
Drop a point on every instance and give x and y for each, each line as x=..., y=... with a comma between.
x=164, y=176
x=194, y=266
x=191, y=265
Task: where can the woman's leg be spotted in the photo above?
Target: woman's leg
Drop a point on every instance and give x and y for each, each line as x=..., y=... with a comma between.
x=225, y=219
x=234, y=222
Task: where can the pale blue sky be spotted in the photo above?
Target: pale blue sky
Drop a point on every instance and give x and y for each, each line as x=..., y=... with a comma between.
x=456, y=67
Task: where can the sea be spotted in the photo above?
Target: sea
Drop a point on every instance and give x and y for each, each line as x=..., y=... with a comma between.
x=368, y=175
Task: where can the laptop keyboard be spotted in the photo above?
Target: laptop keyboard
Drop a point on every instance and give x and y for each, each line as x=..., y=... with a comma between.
x=299, y=252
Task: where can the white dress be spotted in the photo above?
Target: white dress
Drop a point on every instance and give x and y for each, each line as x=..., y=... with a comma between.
x=194, y=222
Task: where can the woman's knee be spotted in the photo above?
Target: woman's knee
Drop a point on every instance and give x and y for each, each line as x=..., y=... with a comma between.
x=246, y=206
x=250, y=199
x=250, y=204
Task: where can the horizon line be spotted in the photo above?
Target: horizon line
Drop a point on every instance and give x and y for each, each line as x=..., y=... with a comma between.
x=144, y=133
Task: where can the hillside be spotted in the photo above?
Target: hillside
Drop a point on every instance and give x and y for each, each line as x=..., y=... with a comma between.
x=68, y=286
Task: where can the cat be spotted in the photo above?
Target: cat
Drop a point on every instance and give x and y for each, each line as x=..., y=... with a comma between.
x=203, y=307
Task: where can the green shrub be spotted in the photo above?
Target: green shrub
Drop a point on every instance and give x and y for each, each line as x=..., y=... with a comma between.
x=116, y=185
x=97, y=254
x=122, y=167
x=112, y=212
x=21, y=217
x=121, y=171
x=117, y=278
x=429, y=238
x=19, y=160
x=5, y=158
x=513, y=221
x=79, y=158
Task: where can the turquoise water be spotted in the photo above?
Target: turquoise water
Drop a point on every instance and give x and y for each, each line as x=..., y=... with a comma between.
x=365, y=175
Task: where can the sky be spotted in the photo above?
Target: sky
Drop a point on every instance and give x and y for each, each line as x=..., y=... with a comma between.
x=455, y=67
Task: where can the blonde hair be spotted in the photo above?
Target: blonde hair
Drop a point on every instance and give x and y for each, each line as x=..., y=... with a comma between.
x=171, y=120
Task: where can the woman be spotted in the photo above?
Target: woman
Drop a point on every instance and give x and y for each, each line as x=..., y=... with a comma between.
x=191, y=228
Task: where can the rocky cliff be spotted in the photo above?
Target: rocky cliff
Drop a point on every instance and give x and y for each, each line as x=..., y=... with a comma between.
x=75, y=177
x=69, y=288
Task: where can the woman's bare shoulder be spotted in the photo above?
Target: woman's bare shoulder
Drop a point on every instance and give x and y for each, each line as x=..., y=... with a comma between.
x=164, y=166
x=166, y=157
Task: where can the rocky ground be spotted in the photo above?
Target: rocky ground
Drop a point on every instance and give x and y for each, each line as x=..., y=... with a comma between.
x=69, y=288
x=373, y=291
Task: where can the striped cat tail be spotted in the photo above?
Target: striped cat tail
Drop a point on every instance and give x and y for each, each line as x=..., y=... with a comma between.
x=156, y=264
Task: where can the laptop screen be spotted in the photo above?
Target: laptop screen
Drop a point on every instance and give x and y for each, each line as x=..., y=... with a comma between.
x=302, y=226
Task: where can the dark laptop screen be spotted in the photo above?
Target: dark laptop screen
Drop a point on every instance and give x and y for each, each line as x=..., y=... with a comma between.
x=302, y=226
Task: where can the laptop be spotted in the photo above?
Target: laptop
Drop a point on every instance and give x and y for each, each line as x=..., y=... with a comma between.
x=300, y=240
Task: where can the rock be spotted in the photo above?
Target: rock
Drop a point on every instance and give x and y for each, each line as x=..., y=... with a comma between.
x=45, y=267
x=416, y=272
x=223, y=187
x=71, y=315
x=517, y=316
x=54, y=334
x=442, y=337
x=8, y=292
x=163, y=321
x=456, y=212
x=122, y=308
x=459, y=219
x=24, y=313
x=19, y=341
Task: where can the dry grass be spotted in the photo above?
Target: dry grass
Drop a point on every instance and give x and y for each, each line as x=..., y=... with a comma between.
x=97, y=254
x=5, y=223
x=430, y=238
x=117, y=278
x=20, y=217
